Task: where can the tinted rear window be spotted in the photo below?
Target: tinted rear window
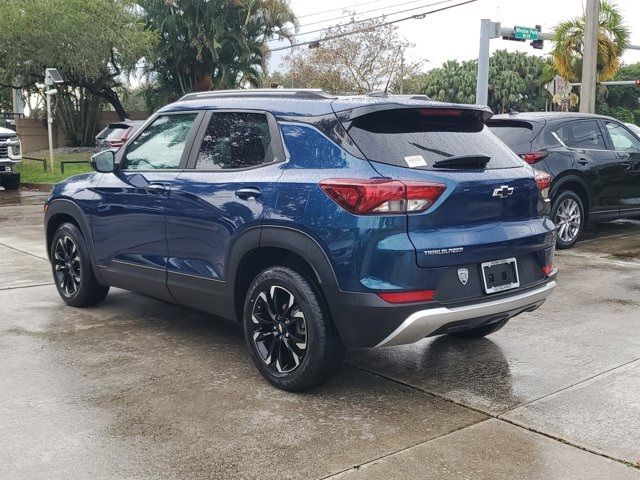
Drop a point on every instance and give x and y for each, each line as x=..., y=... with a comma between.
x=116, y=133
x=513, y=134
x=418, y=137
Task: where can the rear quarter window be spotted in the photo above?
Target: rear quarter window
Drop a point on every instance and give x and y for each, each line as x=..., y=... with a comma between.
x=418, y=138
x=517, y=135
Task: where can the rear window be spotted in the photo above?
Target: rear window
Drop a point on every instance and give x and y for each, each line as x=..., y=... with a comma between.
x=512, y=133
x=116, y=133
x=418, y=138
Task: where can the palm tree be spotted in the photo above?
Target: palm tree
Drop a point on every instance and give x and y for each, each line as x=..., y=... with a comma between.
x=213, y=44
x=613, y=38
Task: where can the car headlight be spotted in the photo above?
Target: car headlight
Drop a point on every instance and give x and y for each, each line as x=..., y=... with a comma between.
x=15, y=145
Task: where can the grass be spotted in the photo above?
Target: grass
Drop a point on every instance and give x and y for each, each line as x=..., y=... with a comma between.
x=32, y=171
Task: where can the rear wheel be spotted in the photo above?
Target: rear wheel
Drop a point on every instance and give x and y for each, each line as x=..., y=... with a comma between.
x=12, y=182
x=288, y=332
x=567, y=213
x=482, y=331
x=71, y=267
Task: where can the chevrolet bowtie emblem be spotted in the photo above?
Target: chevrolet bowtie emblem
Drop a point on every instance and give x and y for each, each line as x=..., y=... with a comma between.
x=503, y=192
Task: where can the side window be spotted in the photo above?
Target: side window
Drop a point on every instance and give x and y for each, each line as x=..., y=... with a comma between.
x=161, y=144
x=585, y=134
x=235, y=140
x=622, y=139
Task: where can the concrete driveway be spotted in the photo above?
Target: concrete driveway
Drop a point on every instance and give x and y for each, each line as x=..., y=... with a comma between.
x=141, y=389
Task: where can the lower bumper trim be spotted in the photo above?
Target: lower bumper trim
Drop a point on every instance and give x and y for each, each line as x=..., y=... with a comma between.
x=424, y=322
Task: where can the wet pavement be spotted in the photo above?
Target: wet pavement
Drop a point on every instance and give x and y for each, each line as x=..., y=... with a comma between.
x=141, y=389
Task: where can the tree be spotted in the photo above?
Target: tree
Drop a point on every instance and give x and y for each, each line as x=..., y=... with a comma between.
x=516, y=81
x=91, y=43
x=214, y=44
x=621, y=102
x=613, y=38
x=363, y=58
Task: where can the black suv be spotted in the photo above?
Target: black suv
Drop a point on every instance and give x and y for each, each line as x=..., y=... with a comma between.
x=594, y=162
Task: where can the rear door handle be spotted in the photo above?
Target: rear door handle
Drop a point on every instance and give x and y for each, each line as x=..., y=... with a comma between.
x=583, y=161
x=156, y=188
x=248, y=193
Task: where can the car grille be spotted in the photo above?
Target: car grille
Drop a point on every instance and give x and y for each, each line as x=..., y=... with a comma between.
x=4, y=150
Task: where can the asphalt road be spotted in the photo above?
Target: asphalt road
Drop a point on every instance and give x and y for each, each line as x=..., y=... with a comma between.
x=141, y=389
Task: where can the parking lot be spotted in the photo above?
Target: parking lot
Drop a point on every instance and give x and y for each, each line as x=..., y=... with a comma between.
x=142, y=389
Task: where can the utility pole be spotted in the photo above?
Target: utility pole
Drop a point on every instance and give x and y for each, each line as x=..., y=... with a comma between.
x=590, y=57
x=487, y=31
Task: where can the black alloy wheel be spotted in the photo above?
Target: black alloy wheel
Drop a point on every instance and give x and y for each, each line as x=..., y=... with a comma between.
x=66, y=260
x=280, y=329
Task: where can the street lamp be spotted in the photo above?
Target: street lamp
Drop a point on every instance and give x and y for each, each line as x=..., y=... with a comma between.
x=51, y=77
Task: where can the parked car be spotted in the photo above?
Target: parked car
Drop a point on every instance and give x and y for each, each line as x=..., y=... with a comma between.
x=317, y=222
x=594, y=163
x=10, y=159
x=634, y=128
x=116, y=134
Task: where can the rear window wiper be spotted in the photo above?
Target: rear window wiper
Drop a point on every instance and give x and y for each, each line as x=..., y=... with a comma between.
x=463, y=161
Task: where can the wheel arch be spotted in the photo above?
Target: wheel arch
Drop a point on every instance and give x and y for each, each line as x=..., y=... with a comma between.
x=281, y=246
x=65, y=211
x=573, y=182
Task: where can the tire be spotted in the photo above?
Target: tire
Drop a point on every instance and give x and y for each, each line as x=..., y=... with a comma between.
x=72, y=270
x=482, y=331
x=12, y=182
x=290, y=336
x=567, y=212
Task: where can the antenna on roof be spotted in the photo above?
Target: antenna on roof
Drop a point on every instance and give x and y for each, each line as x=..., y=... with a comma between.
x=393, y=69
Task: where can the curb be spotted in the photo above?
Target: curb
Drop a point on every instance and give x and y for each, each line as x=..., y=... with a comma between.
x=39, y=187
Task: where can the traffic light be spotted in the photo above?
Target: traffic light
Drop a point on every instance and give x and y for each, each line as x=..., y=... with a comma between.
x=538, y=44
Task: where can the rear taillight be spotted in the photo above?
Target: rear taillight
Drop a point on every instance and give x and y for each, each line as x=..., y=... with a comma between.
x=543, y=180
x=533, y=157
x=408, y=297
x=548, y=269
x=382, y=196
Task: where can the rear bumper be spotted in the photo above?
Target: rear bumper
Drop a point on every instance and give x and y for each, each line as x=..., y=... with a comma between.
x=423, y=323
x=365, y=320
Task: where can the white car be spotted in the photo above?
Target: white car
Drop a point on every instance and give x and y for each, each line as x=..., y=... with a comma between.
x=10, y=159
x=634, y=128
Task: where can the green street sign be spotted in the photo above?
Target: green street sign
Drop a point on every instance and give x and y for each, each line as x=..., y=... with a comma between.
x=525, y=33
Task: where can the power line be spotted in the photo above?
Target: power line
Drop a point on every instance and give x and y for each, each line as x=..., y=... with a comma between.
x=355, y=22
x=368, y=11
x=417, y=16
x=340, y=9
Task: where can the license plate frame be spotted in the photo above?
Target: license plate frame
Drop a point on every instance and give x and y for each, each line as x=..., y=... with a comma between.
x=492, y=286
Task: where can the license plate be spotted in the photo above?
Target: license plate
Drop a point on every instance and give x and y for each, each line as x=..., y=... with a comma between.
x=500, y=275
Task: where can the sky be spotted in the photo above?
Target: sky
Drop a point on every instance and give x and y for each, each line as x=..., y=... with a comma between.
x=454, y=34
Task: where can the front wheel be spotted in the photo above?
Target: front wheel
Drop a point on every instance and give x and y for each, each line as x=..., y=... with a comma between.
x=288, y=332
x=567, y=213
x=12, y=182
x=71, y=267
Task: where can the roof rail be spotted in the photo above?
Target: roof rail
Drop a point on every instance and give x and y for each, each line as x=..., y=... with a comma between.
x=391, y=95
x=260, y=92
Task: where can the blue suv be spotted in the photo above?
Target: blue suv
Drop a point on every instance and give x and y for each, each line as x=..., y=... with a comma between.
x=318, y=222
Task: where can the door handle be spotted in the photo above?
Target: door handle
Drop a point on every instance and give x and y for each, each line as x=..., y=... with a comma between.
x=248, y=193
x=583, y=161
x=156, y=188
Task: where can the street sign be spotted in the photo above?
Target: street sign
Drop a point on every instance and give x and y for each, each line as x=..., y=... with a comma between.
x=525, y=33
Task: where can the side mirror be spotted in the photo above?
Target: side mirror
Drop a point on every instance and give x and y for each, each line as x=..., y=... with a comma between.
x=104, y=162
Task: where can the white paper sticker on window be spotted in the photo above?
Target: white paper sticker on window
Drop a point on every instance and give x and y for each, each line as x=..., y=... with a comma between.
x=415, y=161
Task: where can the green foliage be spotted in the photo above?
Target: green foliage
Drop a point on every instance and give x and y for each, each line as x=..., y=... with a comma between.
x=621, y=101
x=516, y=81
x=90, y=42
x=211, y=44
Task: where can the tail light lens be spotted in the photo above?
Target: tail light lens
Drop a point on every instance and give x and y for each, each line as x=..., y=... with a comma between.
x=548, y=269
x=408, y=297
x=543, y=180
x=382, y=196
x=533, y=157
